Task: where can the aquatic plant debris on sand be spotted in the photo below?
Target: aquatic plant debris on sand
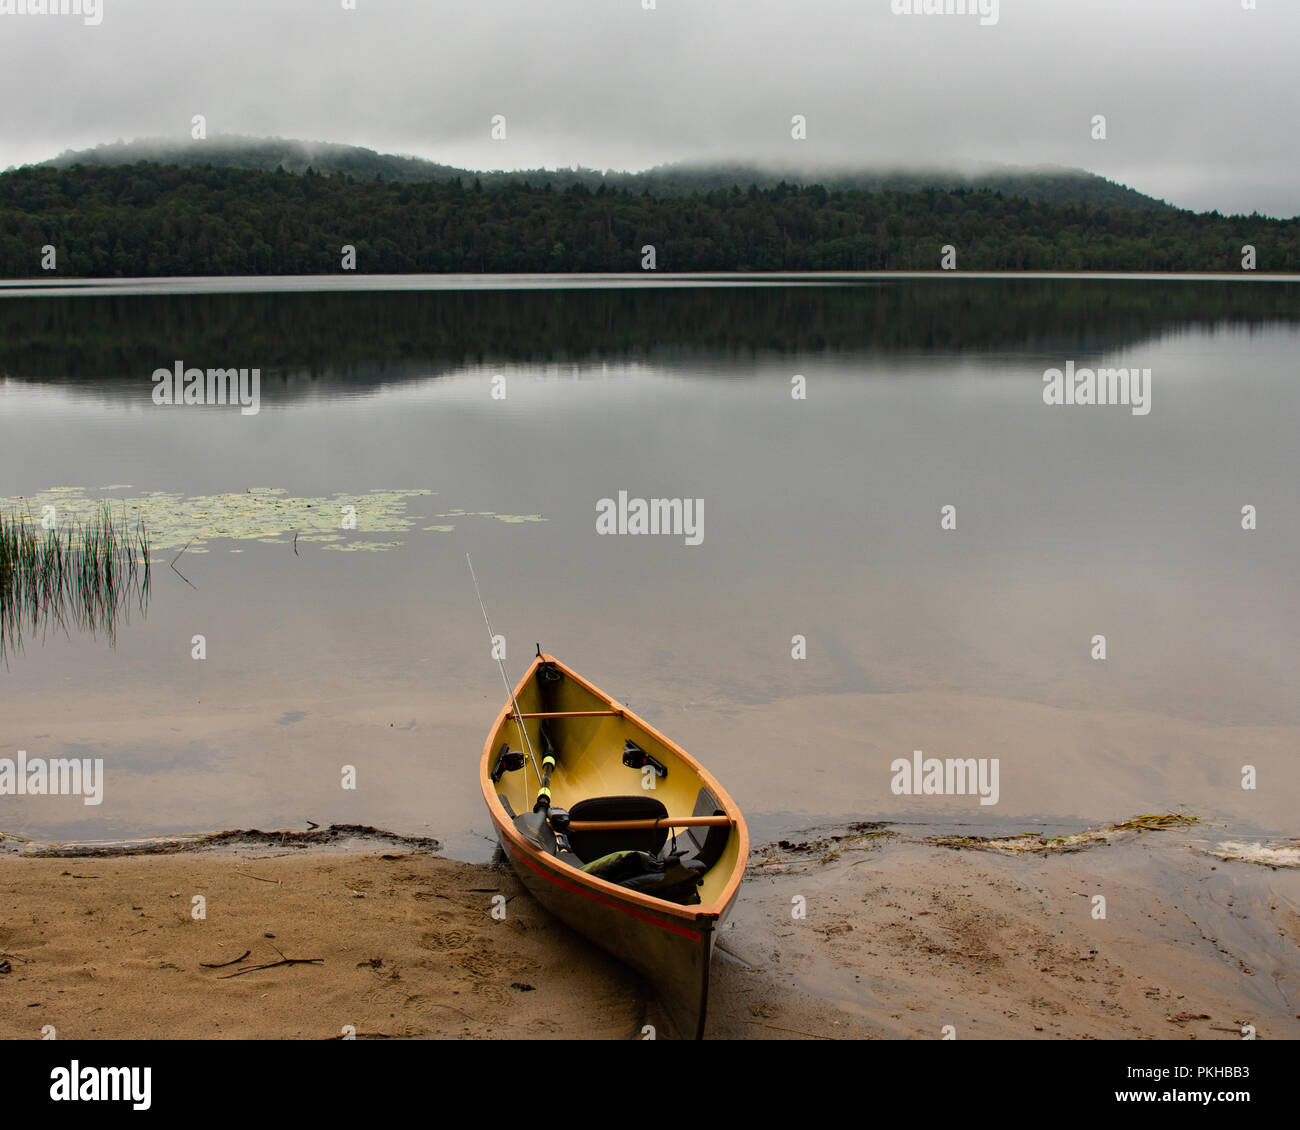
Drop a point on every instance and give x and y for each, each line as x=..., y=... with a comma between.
x=784, y=854
x=335, y=835
x=265, y=514
x=1235, y=851
x=1079, y=841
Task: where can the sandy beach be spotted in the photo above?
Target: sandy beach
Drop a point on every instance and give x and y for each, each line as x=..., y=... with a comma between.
x=900, y=937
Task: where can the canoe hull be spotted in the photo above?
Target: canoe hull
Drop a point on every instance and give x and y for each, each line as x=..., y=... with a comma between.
x=672, y=954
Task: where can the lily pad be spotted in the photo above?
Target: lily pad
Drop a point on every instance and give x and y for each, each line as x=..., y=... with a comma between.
x=175, y=521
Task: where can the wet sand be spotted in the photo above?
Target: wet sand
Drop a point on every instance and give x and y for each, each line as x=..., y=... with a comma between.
x=238, y=759
x=901, y=937
x=907, y=938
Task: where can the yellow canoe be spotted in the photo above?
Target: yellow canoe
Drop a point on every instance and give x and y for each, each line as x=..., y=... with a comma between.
x=636, y=846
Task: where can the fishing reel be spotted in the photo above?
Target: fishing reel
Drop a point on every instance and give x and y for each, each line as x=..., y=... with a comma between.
x=508, y=761
x=634, y=757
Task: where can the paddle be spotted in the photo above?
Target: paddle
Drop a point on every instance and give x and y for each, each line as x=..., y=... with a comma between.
x=543, y=802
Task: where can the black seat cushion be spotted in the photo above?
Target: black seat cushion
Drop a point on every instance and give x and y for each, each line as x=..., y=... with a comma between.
x=673, y=878
x=710, y=841
x=595, y=845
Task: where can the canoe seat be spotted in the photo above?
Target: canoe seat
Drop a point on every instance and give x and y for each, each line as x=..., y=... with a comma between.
x=596, y=845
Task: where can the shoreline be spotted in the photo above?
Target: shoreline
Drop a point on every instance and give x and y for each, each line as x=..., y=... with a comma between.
x=310, y=935
x=101, y=285
x=335, y=836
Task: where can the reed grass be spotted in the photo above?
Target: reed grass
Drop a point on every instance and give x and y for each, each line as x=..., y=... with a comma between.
x=79, y=574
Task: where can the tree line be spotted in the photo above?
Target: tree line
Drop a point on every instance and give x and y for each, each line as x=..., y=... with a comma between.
x=156, y=220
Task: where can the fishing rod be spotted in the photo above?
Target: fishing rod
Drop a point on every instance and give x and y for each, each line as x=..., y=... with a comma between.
x=523, y=732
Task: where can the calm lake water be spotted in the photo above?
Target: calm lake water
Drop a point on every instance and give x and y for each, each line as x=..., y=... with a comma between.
x=821, y=519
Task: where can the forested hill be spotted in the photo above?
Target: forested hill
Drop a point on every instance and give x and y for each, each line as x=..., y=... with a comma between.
x=151, y=220
x=1050, y=184
x=1047, y=184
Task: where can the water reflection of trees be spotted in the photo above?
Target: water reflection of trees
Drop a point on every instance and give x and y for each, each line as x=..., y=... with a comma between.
x=376, y=337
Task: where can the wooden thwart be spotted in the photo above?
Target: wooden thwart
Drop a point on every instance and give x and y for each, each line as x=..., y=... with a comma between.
x=661, y=822
x=569, y=714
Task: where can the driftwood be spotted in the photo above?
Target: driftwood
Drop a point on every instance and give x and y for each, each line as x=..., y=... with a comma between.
x=273, y=964
x=796, y=1031
x=223, y=964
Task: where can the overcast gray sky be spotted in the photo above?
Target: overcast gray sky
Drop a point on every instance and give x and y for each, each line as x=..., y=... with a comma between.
x=1200, y=96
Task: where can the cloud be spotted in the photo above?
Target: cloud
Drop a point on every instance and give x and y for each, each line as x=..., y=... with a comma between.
x=1196, y=95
